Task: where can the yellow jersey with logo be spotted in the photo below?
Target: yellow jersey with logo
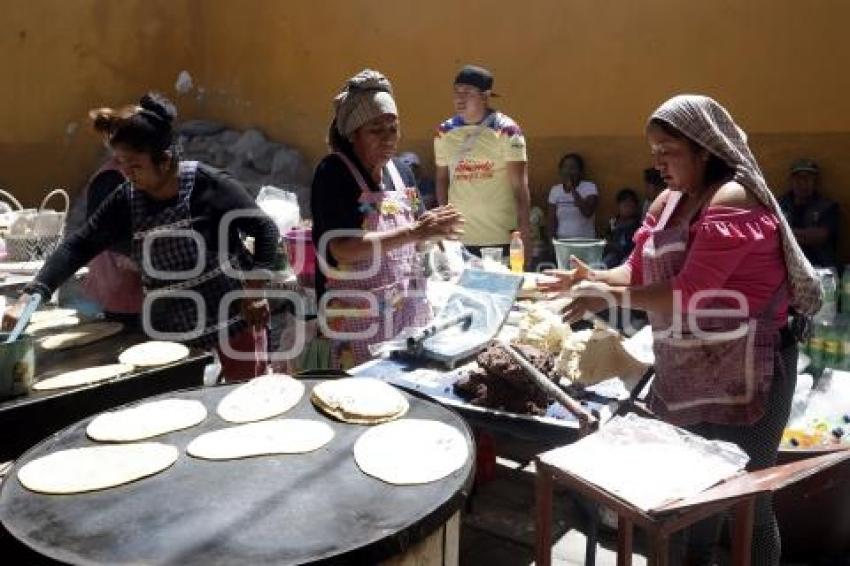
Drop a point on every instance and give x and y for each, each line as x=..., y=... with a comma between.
x=477, y=156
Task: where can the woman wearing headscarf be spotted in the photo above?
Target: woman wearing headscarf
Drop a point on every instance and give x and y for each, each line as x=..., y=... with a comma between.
x=181, y=221
x=367, y=220
x=716, y=267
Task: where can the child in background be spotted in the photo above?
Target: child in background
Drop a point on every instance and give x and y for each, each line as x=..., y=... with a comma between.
x=622, y=228
x=653, y=184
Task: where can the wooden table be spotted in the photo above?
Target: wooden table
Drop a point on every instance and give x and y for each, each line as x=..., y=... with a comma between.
x=736, y=495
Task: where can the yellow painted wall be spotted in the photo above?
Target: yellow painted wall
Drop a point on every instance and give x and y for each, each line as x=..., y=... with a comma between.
x=578, y=75
x=58, y=59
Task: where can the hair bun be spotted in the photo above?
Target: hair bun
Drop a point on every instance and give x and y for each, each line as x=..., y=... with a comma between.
x=159, y=106
x=103, y=119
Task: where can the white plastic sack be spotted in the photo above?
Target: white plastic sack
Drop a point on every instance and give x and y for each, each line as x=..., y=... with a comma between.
x=281, y=206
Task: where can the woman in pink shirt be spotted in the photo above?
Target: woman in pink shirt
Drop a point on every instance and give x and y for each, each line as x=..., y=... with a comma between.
x=716, y=268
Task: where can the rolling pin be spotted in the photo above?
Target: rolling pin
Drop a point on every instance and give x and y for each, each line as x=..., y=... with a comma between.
x=586, y=421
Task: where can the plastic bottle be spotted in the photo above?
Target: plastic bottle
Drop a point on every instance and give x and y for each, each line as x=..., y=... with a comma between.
x=845, y=290
x=517, y=253
x=832, y=346
x=829, y=286
x=816, y=346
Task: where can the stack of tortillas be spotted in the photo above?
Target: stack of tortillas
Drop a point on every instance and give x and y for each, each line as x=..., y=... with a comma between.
x=594, y=355
x=46, y=320
x=359, y=400
x=411, y=451
x=154, y=353
x=146, y=420
x=83, y=376
x=96, y=467
x=81, y=335
x=261, y=398
x=279, y=436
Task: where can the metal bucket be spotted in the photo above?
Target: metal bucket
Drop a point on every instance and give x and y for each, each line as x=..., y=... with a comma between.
x=588, y=250
x=17, y=365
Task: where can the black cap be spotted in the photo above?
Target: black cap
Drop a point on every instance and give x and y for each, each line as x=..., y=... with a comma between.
x=476, y=76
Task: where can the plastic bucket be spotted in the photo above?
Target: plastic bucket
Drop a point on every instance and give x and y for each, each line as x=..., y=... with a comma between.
x=17, y=365
x=301, y=254
x=589, y=250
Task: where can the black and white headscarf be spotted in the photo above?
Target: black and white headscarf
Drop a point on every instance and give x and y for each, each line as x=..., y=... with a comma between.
x=707, y=123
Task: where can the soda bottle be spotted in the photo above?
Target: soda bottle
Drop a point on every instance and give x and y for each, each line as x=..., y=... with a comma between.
x=832, y=347
x=517, y=253
x=816, y=347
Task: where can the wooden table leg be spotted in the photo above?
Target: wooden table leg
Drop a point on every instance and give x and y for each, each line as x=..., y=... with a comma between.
x=659, y=549
x=742, y=531
x=543, y=517
x=625, y=541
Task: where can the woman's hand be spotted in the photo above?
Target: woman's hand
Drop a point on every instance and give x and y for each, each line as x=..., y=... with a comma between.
x=13, y=312
x=565, y=279
x=444, y=222
x=588, y=298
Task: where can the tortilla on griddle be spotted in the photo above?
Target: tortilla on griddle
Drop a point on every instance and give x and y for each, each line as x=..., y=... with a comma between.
x=96, y=467
x=278, y=436
x=146, y=420
x=261, y=398
x=81, y=335
x=359, y=400
x=83, y=376
x=411, y=451
x=154, y=353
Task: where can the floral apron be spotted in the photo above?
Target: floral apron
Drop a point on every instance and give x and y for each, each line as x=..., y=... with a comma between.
x=396, y=283
x=113, y=280
x=713, y=369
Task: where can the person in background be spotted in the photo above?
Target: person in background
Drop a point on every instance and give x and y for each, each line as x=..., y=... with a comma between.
x=366, y=223
x=162, y=197
x=714, y=256
x=113, y=280
x=482, y=166
x=427, y=190
x=621, y=229
x=573, y=202
x=813, y=217
x=653, y=185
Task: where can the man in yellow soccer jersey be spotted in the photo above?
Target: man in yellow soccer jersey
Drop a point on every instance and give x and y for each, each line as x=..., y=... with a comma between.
x=482, y=166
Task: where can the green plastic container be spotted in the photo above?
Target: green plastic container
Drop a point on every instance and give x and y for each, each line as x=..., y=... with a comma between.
x=589, y=250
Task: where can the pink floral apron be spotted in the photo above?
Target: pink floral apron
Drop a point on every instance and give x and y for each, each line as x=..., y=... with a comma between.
x=113, y=280
x=395, y=285
x=711, y=369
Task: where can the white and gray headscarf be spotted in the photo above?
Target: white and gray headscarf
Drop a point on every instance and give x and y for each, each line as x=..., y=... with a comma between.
x=365, y=96
x=706, y=122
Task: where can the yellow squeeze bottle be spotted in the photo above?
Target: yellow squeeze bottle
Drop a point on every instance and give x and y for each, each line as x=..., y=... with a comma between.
x=517, y=254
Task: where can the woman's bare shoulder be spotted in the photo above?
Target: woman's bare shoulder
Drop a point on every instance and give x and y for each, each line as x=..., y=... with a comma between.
x=734, y=195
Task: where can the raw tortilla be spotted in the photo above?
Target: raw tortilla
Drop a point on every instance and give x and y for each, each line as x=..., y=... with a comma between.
x=82, y=377
x=146, y=420
x=53, y=324
x=411, y=451
x=261, y=398
x=47, y=315
x=280, y=436
x=82, y=335
x=359, y=400
x=96, y=467
x=154, y=353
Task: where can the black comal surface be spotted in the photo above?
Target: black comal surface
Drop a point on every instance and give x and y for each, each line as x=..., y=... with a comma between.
x=286, y=509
